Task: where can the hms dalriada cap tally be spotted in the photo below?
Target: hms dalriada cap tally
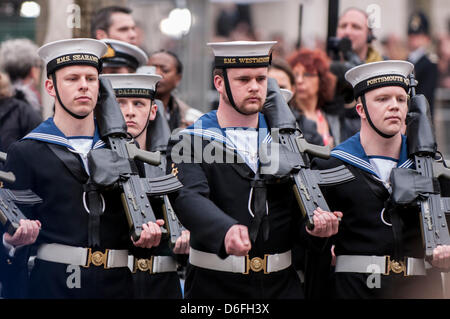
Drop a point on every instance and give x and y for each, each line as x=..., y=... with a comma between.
x=242, y=54
x=79, y=51
x=133, y=84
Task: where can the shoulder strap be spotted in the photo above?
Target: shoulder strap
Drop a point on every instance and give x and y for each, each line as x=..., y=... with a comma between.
x=71, y=161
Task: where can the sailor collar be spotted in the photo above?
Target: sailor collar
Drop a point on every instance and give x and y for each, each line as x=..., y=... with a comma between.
x=48, y=132
x=207, y=126
x=352, y=152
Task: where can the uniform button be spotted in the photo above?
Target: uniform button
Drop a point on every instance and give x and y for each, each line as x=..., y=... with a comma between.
x=9, y=261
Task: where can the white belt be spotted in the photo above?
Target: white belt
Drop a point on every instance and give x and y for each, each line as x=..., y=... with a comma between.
x=80, y=256
x=381, y=265
x=154, y=264
x=240, y=264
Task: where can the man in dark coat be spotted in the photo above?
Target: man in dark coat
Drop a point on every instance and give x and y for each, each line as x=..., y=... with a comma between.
x=379, y=250
x=82, y=247
x=425, y=62
x=242, y=226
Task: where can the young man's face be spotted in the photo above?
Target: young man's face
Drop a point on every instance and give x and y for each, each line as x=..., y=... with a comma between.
x=248, y=86
x=387, y=107
x=137, y=112
x=78, y=87
x=353, y=25
x=166, y=66
x=122, y=28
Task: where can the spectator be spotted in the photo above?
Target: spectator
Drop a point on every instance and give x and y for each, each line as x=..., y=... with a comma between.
x=16, y=117
x=281, y=71
x=169, y=66
x=353, y=24
x=114, y=22
x=444, y=61
x=425, y=63
x=19, y=59
x=315, y=86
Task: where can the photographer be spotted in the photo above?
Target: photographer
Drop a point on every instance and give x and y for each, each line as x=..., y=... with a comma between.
x=351, y=47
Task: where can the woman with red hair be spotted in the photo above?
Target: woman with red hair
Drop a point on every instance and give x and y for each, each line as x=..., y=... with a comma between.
x=315, y=86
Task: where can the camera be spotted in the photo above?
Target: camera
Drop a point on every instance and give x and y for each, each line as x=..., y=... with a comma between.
x=343, y=59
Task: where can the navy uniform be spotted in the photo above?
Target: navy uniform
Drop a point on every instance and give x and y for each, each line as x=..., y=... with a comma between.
x=425, y=63
x=155, y=269
x=372, y=234
x=77, y=255
x=220, y=172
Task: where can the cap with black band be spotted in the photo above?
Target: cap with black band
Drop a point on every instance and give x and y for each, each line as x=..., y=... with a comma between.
x=371, y=76
x=134, y=85
x=64, y=53
x=240, y=54
x=121, y=54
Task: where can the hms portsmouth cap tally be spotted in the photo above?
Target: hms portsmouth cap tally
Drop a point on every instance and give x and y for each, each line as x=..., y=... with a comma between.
x=374, y=75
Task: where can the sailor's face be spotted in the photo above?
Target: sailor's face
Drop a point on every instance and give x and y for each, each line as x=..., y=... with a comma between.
x=387, y=107
x=77, y=86
x=249, y=88
x=137, y=112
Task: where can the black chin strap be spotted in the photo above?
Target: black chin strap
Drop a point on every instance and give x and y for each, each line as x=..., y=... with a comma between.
x=78, y=117
x=363, y=100
x=229, y=93
x=148, y=121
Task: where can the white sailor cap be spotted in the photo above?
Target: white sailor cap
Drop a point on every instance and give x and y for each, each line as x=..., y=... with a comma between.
x=287, y=94
x=68, y=52
x=374, y=75
x=133, y=84
x=121, y=53
x=146, y=69
x=242, y=54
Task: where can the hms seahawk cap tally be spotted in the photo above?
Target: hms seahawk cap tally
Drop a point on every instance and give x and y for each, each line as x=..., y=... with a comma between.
x=242, y=54
x=121, y=53
x=134, y=84
x=374, y=75
x=79, y=51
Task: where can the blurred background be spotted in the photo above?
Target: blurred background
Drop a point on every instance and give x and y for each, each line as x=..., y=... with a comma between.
x=185, y=26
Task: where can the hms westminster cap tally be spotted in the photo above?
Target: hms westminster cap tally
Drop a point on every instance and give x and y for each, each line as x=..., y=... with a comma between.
x=79, y=51
x=374, y=75
x=121, y=53
x=242, y=54
x=133, y=85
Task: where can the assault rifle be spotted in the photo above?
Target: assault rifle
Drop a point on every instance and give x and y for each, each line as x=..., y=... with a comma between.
x=117, y=164
x=421, y=185
x=294, y=156
x=10, y=214
x=158, y=134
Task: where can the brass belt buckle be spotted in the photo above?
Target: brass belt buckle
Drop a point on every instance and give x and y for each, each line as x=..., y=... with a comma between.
x=256, y=264
x=97, y=258
x=397, y=267
x=143, y=264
